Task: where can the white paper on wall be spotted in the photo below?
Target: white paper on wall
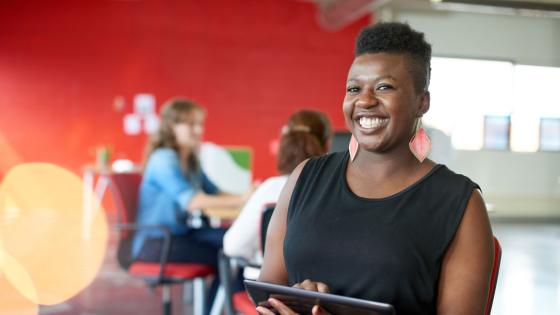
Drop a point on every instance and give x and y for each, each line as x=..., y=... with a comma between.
x=151, y=123
x=144, y=104
x=132, y=124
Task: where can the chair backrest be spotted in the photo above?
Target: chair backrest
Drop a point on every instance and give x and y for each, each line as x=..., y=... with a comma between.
x=265, y=220
x=494, y=278
x=124, y=188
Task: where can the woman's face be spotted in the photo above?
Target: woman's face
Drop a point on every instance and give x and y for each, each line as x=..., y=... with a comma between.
x=189, y=132
x=381, y=105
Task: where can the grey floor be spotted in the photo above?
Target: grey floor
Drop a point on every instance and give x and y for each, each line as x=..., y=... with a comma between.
x=529, y=279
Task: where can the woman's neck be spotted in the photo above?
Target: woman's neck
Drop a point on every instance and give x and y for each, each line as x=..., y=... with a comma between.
x=377, y=175
x=400, y=162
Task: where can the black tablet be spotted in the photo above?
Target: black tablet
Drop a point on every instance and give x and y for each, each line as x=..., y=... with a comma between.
x=302, y=301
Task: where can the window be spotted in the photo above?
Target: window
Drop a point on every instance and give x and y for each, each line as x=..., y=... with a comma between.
x=524, y=132
x=463, y=92
x=536, y=102
x=496, y=132
x=550, y=134
x=487, y=104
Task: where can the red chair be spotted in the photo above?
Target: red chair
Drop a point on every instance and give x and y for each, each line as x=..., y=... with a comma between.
x=494, y=277
x=124, y=188
x=239, y=302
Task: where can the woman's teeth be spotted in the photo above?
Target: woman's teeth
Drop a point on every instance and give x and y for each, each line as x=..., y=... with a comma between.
x=371, y=122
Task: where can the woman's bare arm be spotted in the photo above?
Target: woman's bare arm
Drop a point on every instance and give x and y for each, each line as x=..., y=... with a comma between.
x=273, y=269
x=467, y=264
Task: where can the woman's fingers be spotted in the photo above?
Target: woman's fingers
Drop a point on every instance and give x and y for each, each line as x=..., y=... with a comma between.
x=312, y=286
x=264, y=311
x=317, y=310
x=281, y=307
x=321, y=287
x=306, y=285
x=309, y=285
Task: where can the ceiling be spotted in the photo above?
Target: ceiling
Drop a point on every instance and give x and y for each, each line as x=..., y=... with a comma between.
x=536, y=8
x=335, y=14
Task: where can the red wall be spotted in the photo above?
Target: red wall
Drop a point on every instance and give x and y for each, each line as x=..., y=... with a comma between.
x=250, y=63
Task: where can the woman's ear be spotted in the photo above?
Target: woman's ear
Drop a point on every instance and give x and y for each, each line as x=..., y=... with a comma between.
x=424, y=103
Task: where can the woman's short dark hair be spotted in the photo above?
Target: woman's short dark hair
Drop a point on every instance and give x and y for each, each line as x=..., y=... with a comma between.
x=307, y=134
x=400, y=38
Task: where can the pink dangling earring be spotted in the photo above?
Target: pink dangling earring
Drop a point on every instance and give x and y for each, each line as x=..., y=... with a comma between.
x=353, y=148
x=420, y=144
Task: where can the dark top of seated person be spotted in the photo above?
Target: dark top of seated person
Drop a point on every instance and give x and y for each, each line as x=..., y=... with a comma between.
x=381, y=222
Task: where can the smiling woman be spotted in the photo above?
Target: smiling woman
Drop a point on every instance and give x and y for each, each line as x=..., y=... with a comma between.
x=381, y=222
x=382, y=78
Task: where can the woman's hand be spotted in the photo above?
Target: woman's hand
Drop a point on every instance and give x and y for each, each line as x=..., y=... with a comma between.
x=312, y=286
x=282, y=309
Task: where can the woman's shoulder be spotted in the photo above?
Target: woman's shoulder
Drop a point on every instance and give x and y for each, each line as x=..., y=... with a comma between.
x=445, y=174
x=334, y=158
x=163, y=155
x=161, y=159
x=325, y=164
x=449, y=183
x=164, y=152
x=274, y=181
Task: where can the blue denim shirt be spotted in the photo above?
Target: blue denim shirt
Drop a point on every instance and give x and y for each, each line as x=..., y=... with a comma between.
x=165, y=193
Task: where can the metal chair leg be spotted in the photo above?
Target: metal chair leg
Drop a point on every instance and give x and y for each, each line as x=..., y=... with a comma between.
x=199, y=300
x=188, y=293
x=166, y=297
x=218, y=305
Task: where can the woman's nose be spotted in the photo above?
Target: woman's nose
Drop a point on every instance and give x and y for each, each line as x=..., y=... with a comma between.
x=198, y=130
x=367, y=99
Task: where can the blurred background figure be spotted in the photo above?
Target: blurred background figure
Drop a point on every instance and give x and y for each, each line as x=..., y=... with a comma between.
x=308, y=133
x=173, y=185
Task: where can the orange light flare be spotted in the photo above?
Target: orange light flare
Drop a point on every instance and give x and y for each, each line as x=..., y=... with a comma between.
x=42, y=220
x=11, y=301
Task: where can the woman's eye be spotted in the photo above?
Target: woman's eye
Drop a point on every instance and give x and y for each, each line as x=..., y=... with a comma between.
x=352, y=89
x=384, y=87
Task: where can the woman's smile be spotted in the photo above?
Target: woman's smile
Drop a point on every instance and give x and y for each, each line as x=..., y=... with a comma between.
x=371, y=124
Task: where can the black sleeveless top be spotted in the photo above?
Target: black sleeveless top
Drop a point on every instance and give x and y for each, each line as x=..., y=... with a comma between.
x=387, y=249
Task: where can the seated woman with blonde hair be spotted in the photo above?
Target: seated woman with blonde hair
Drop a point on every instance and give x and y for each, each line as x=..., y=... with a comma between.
x=173, y=184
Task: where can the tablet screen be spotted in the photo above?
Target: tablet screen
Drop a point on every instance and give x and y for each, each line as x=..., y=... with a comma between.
x=302, y=301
